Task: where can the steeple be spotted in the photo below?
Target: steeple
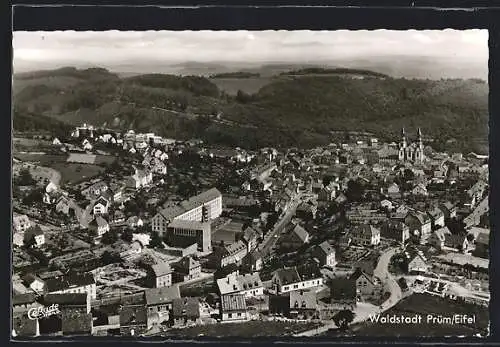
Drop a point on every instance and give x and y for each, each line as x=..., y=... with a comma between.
x=420, y=143
x=403, y=136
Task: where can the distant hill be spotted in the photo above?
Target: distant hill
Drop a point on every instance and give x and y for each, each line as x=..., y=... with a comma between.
x=297, y=108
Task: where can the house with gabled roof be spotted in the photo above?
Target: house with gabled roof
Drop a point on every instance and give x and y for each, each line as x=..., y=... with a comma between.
x=248, y=285
x=160, y=275
x=99, y=226
x=296, y=278
x=159, y=302
x=296, y=238
x=438, y=237
x=325, y=253
x=186, y=311
x=437, y=217
x=420, y=225
x=366, y=235
x=449, y=210
x=298, y=304
x=234, y=308
x=367, y=286
x=250, y=237
x=133, y=320
x=186, y=269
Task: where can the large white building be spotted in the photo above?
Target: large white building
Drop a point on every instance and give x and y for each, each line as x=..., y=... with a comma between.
x=201, y=208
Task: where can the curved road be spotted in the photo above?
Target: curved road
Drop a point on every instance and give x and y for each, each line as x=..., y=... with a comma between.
x=364, y=310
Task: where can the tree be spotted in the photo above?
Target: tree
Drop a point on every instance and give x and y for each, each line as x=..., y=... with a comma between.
x=355, y=190
x=25, y=178
x=156, y=240
x=127, y=235
x=33, y=197
x=343, y=318
x=108, y=258
x=110, y=237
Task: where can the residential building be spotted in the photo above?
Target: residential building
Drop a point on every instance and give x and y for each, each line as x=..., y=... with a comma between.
x=437, y=217
x=289, y=279
x=186, y=269
x=133, y=320
x=232, y=254
x=366, y=235
x=233, y=308
x=160, y=275
x=420, y=225
x=250, y=238
x=366, y=286
x=99, y=226
x=34, y=283
x=449, y=210
x=482, y=245
x=253, y=261
x=101, y=206
x=395, y=230
x=296, y=238
x=415, y=262
x=159, y=303
x=72, y=283
x=140, y=179
x=420, y=190
x=186, y=311
x=21, y=222
x=35, y=236
x=438, y=237
x=76, y=318
x=325, y=254
x=456, y=242
x=298, y=304
x=248, y=285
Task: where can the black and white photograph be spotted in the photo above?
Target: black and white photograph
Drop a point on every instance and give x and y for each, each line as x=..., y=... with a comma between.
x=245, y=184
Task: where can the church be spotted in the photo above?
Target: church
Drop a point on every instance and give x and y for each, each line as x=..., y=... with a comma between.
x=414, y=152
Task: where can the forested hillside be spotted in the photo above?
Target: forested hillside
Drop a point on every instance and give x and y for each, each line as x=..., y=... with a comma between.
x=295, y=108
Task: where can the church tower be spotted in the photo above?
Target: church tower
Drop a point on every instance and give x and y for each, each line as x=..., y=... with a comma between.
x=402, y=146
x=419, y=151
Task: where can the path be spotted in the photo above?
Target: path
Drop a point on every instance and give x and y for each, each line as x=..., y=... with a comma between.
x=475, y=217
x=364, y=310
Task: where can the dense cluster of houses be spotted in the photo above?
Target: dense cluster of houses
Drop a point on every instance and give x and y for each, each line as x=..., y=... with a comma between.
x=381, y=193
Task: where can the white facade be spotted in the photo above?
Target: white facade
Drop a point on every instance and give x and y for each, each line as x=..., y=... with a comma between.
x=21, y=223
x=89, y=289
x=214, y=206
x=316, y=282
x=234, y=316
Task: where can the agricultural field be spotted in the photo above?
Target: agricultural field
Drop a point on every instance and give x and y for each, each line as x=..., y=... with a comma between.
x=72, y=173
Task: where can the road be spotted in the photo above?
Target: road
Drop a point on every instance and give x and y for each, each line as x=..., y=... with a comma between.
x=382, y=272
x=475, y=217
x=365, y=310
x=272, y=236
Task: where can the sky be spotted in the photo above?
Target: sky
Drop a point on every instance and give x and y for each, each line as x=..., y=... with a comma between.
x=36, y=50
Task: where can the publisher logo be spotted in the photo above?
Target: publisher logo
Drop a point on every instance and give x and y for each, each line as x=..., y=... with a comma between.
x=43, y=312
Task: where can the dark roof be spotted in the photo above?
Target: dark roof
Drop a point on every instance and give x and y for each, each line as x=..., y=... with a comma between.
x=233, y=302
x=30, y=278
x=186, y=307
x=358, y=273
x=23, y=299
x=162, y=295
x=303, y=299
x=76, y=322
x=249, y=234
x=186, y=264
x=483, y=238
x=287, y=276
x=133, y=315
x=342, y=289
x=65, y=299
x=161, y=269
x=67, y=281
x=34, y=230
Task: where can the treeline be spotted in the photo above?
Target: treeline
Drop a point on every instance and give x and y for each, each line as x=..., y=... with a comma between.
x=87, y=74
x=25, y=122
x=239, y=74
x=197, y=85
x=328, y=71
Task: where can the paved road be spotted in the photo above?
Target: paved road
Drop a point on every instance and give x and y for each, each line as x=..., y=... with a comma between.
x=271, y=237
x=382, y=272
x=475, y=217
x=364, y=310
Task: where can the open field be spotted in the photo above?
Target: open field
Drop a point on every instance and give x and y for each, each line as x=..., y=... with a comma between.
x=422, y=304
x=72, y=173
x=244, y=330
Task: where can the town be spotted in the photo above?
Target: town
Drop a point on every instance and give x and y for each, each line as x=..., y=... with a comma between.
x=132, y=234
